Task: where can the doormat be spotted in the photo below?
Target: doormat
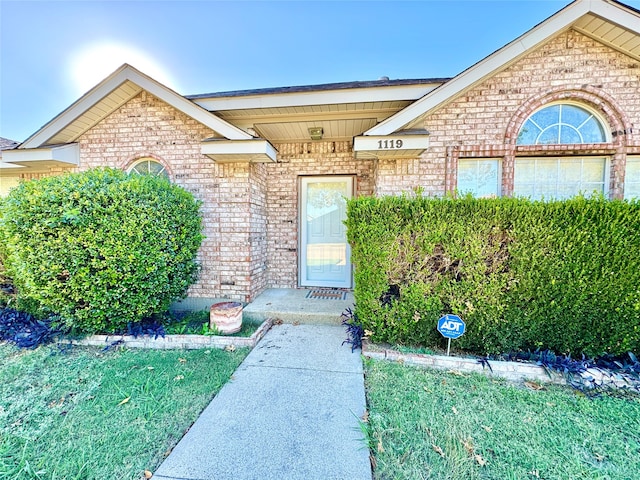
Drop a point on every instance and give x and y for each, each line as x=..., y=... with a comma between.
x=327, y=295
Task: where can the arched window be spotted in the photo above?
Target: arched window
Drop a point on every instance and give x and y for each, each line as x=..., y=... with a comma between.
x=565, y=175
x=560, y=124
x=148, y=166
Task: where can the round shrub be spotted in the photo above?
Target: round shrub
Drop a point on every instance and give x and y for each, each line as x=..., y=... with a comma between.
x=101, y=248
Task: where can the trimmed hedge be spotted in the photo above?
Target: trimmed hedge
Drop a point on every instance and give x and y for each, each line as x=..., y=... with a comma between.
x=101, y=248
x=561, y=275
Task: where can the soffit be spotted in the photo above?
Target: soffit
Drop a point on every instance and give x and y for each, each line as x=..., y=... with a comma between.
x=112, y=93
x=327, y=94
x=334, y=130
x=295, y=112
x=291, y=123
x=253, y=151
x=102, y=109
x=610, y=33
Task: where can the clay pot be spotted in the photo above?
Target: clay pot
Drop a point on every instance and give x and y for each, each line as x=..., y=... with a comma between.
x=226, y=316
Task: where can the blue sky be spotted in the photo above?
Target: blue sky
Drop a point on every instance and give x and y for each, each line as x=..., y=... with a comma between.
x=52, y=52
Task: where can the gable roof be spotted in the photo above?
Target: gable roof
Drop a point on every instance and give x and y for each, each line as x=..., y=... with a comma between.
x=607, y=21
x=109, y=95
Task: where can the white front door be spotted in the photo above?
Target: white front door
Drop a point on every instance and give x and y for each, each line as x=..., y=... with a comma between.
x=324, y=251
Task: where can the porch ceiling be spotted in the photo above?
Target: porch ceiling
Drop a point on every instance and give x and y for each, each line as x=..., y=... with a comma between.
x=292, y=123
x=342, y=110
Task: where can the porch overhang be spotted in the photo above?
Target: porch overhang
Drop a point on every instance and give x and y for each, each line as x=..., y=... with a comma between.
x=21, y=160
x=407, y=144
x=225, y=151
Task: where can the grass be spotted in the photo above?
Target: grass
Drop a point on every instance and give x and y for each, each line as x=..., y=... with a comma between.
x=197, y=323
x=442, y=425
x=86, y=413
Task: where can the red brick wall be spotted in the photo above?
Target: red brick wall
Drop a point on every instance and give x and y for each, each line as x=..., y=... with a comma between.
x=484, y=121
x=295, y=160
x=232, y=194
x=395, y=176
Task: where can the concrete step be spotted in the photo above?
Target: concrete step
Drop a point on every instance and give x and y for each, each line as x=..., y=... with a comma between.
x=298, y=306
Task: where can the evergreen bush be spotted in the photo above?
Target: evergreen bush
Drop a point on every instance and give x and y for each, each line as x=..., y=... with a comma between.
x=101, y=248
x=561, y=275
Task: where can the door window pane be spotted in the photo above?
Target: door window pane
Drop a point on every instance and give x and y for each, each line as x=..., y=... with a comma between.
x=324, y=260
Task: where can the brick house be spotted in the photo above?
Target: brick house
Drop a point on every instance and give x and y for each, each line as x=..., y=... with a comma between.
x=551, y=114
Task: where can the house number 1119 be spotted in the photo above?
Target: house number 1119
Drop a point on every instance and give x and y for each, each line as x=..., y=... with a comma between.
x=389, y=144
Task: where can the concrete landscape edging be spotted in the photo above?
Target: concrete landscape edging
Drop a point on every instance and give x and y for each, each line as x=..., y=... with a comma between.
x=512, y=371
x=187, y=342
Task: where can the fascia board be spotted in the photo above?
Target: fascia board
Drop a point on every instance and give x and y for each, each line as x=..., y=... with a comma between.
x=301, y=99
x=617, y=14
x=76, y=109
x=239, y=147
x=124, y=73
x=188, y=107
x=494, y=62
x=69, y=154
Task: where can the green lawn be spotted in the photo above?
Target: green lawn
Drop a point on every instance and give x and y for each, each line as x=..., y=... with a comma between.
x=197, y=323
x=85, y=413
x=438, y=425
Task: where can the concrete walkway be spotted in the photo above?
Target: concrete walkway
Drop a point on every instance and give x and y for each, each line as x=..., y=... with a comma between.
x=291, y=411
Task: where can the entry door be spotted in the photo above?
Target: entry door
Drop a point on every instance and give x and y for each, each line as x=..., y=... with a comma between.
x=324, y=251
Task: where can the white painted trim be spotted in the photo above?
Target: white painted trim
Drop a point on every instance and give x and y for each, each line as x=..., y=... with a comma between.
x=616, y=13
x=299, y=99
x=303, y=279
x=243, y=149
x=9, y=166
x=68, y=154
x=476, y=160
x=383, y=143
x=502, y=58
x=606, y=180
x=117, y=78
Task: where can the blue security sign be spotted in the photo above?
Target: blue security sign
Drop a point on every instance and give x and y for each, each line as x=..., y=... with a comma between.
x=451, y=326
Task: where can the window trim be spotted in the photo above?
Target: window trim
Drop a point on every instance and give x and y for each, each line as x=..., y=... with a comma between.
x=634, y=159
x=164, y=172
x=606, y=174
x=499, y=187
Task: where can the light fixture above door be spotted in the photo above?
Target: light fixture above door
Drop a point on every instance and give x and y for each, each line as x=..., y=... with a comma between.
x=316, y=133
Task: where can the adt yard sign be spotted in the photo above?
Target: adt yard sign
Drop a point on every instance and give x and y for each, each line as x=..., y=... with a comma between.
x=451, y=326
